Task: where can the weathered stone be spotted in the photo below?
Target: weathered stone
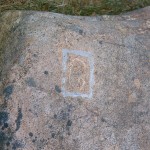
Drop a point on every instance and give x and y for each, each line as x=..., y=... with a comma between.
x=74, y=83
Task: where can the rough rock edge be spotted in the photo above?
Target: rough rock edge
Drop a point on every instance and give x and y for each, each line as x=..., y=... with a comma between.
x=11, y=31
x=12, y=26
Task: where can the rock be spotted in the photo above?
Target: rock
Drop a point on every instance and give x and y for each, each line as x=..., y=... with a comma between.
x=74, y=83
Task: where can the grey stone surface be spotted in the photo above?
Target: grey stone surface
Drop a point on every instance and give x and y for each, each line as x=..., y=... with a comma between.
x=74, y=83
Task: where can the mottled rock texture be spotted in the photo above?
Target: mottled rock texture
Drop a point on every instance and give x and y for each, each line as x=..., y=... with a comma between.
x=74, y=83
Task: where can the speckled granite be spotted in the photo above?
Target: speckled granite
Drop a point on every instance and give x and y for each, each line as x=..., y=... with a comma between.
x=74, y=83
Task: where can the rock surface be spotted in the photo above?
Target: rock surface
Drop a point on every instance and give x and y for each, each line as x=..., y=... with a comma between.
x=74, y=83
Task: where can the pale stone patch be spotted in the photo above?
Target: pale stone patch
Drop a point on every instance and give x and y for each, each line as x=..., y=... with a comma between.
x=137, y=83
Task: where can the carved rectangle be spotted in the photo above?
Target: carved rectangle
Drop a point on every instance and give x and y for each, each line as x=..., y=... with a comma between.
x=78, y=73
